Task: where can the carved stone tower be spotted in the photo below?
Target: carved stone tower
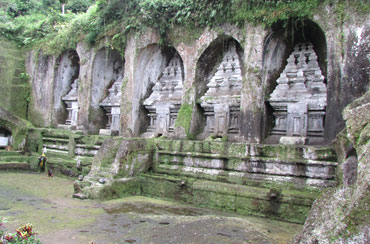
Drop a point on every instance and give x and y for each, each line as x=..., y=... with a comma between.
x=165, y=101
x=300, y=98
x=221, y=102
x=111, y=105
x=71, y=101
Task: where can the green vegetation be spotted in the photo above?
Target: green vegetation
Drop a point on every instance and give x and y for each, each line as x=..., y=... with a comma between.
x=184, y=118
x=42, y=23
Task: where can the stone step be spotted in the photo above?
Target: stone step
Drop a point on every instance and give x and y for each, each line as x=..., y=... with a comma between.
x=252, y=179
x=229, y=149
x=9, y=153
x=298, y=168
x=19, y=158
x=64, y=140
x=14, y=166
x=57, y=154
x=84, y=150
x=55, y=132
x=307, y=161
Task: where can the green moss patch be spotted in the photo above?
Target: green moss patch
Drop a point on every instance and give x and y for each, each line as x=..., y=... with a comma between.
x=184, y=118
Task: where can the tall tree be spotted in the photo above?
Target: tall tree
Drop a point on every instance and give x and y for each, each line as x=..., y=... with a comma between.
x=63, y=2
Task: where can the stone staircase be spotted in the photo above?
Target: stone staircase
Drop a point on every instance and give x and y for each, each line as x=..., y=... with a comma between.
x=70, y=153
x=17, y=160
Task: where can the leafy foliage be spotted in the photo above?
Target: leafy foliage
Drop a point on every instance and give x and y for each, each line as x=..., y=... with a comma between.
x=24, y=235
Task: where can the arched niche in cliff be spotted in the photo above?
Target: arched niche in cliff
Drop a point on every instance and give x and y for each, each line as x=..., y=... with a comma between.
x=107, y=72
x=218, y=82
x=295, y=68
x=151, y=96
x=67, y=71
x=5, y=137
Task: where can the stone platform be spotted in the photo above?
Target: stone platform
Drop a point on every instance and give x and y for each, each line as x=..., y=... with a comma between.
x=275, y=181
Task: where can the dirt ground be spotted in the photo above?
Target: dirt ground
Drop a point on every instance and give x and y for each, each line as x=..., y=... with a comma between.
x=47, y=203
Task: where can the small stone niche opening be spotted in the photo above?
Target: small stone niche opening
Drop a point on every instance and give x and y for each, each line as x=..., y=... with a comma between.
x=66, y=90
x=219, y=75
x=158, y=94
x=107, y=78
x=294, y=76
x=5, y=137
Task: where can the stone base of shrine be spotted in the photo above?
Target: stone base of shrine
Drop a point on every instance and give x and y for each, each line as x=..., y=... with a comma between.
x=108, y=132
x=293, y=140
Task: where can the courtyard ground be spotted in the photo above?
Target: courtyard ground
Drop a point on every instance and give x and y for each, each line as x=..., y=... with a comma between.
x=47, y=203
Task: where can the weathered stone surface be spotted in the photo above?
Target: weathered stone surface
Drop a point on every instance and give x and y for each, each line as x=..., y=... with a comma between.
x=221, y=102
x=164, y=102
x=299, y=99
x=112, y=107
x=67, y=72
x=14, y=81
x=71, y=101
x=349, y=169
x=42, y=90
x=342, y=215
x=107, y=76
x=116, y=158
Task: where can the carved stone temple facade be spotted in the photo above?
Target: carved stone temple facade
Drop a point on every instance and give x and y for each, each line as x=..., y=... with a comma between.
x=165, y=100
x=252, y=84
x=221, y=102
x=111, y=105
x=71, y=101
x=300, y=98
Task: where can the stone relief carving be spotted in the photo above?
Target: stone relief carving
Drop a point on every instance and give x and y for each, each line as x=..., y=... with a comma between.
x=71, y=101
x=300, y=98
x=221, y=102
x=111, y=104
x=165, y=100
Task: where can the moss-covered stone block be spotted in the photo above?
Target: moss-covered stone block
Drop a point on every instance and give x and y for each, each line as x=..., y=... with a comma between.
x=237, y=150
x=321, y=153
x=215, y=200
x=218, y=147
x=176, y=146
x=123, y=188
x=164, y=144
x=283, y=152
x=161, y=187
x=236, y=164
x=188, y=146
x=206, y=147
x=198, y=146
x=251, y=206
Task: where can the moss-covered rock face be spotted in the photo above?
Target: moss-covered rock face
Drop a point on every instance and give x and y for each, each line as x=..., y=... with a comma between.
x=15, y=90
x=342, y=215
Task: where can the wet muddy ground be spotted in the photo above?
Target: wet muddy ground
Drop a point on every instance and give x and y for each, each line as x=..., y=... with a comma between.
x=47, y=203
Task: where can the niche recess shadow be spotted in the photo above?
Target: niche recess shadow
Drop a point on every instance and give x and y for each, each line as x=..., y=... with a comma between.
x=67, y=70
x=151, y=62
x=107, y=67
